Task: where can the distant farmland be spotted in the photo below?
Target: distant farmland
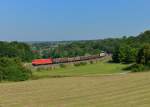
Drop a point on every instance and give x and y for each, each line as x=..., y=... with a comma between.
x=130, y=90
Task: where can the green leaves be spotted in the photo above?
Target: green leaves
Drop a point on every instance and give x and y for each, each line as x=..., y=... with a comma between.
x=144, y=55
x=125, y=54
x=11, y=69
x=15, y=49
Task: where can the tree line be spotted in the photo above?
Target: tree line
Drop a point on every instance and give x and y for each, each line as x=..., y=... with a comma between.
x=135, y=50
x=129, y=50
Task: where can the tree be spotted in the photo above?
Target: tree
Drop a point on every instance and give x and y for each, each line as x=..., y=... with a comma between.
x=144, y=55
x=124, y=54
x=11, y=69
x=16, y=49
x=130, y=55
x=115, y=56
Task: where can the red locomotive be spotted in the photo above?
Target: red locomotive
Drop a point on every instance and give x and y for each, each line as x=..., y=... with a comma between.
x=42, y=61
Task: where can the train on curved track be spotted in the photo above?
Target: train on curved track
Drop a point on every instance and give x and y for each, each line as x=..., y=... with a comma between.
x=48, y=61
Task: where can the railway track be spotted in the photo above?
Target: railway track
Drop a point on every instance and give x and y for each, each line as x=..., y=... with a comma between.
x=67, y=63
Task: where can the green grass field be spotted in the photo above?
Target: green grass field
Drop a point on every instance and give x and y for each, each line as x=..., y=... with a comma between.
x=130, y=90
x=99, y=68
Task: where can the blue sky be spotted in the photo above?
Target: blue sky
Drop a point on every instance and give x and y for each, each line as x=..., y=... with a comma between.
x=50, y=20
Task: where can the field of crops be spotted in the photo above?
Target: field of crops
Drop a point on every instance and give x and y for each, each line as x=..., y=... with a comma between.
x=130, y=90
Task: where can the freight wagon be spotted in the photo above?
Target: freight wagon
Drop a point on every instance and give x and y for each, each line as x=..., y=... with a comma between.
x=65, y=60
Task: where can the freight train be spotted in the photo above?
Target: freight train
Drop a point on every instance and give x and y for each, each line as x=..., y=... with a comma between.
x=65, y=60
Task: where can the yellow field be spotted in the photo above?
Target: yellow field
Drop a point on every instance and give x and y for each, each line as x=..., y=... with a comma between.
x=130, y=90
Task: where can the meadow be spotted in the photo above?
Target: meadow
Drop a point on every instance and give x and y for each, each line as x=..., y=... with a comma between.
x=95, y=69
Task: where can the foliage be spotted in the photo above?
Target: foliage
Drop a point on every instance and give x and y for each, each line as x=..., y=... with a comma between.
x=130, y=49
x=138, y=68
x=135, y=68
x=11, y=69
x=129, y=45
x=91, y=62
x=80, y=64
x=144, y=55
x=16, y=49
x=62, y=65
x=77, y=48
x=142, y=60
x=125, y=54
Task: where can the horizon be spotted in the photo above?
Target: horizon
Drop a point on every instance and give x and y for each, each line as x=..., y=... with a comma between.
x=64, y=20
x=68, y=39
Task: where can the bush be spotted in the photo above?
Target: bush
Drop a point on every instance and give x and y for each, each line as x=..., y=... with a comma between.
x=13, y=70
x=80, y=64
x=91, y=62
x=39, y=69
x=144, y=55
x=138, y=68
x=62, y=65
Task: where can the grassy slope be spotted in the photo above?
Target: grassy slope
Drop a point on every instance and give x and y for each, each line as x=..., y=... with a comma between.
x=131, y=90
x=102, y=67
